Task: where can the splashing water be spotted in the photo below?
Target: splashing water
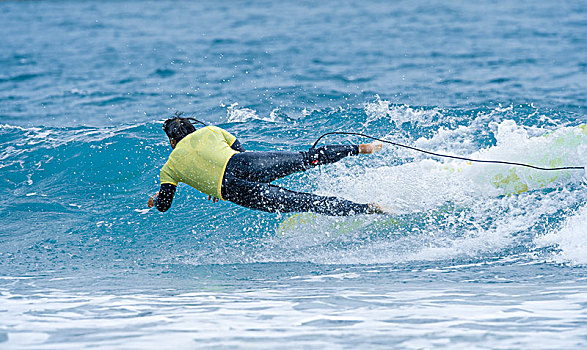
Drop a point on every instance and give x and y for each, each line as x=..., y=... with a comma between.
x=448, y=209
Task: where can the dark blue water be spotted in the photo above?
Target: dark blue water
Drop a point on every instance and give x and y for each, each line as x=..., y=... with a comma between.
x=479, y=256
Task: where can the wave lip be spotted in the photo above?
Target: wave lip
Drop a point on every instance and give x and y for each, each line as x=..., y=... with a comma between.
x=450, y=210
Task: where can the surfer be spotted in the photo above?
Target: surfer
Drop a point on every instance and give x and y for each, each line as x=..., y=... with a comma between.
x=214, y=162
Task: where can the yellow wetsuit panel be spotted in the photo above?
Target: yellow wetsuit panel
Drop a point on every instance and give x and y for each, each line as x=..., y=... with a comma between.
x=200, y=159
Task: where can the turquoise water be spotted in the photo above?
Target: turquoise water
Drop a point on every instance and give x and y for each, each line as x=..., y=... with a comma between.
x=480, y=256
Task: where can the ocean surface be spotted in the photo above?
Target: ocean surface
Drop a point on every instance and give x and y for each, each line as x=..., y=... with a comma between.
x=479, y=256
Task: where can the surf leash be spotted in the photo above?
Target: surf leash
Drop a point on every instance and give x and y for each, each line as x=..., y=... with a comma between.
x=446, y=155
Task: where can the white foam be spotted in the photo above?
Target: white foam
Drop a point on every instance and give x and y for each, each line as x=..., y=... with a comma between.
x=565, y=146
x=382, y=109
x=474, y=218
x=570, y=241
x=240, y=115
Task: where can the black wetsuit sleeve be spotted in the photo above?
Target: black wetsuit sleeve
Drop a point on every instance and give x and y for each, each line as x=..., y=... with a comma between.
x=165, y=197
x=237, y=146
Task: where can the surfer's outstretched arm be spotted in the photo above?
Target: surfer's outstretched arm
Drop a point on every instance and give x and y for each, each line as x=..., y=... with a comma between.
x=162, y=200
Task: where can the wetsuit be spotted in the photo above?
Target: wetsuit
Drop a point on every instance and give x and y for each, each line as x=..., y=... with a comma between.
x=244, y=177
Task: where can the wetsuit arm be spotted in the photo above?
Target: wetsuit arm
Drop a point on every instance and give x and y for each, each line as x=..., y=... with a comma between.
x=237, y=146
x=165, y=197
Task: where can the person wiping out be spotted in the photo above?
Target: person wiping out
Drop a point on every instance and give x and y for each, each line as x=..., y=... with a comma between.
x=214, y=162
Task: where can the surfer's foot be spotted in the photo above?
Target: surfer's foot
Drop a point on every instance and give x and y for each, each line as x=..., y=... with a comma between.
x=370, y=148
x=377, y=208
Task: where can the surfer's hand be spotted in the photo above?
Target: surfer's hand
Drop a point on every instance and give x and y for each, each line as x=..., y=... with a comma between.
x=151, y=201
x=370, y=148
x=214, y=199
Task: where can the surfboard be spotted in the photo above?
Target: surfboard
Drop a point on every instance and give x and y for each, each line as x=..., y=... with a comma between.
x=336, y=226
x=549, y=150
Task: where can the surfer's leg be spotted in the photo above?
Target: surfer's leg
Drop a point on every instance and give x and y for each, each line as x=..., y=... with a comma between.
x=330, y=154
x=270, y=198
x=264, y=166
x=269, y=166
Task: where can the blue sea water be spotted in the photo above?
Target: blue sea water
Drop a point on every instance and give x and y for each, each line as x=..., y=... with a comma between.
x=481, y=256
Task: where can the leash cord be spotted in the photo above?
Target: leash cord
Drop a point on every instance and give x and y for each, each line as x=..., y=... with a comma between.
x=446, y=155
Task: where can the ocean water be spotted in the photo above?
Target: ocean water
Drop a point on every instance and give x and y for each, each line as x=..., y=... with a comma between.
x=479, y=256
